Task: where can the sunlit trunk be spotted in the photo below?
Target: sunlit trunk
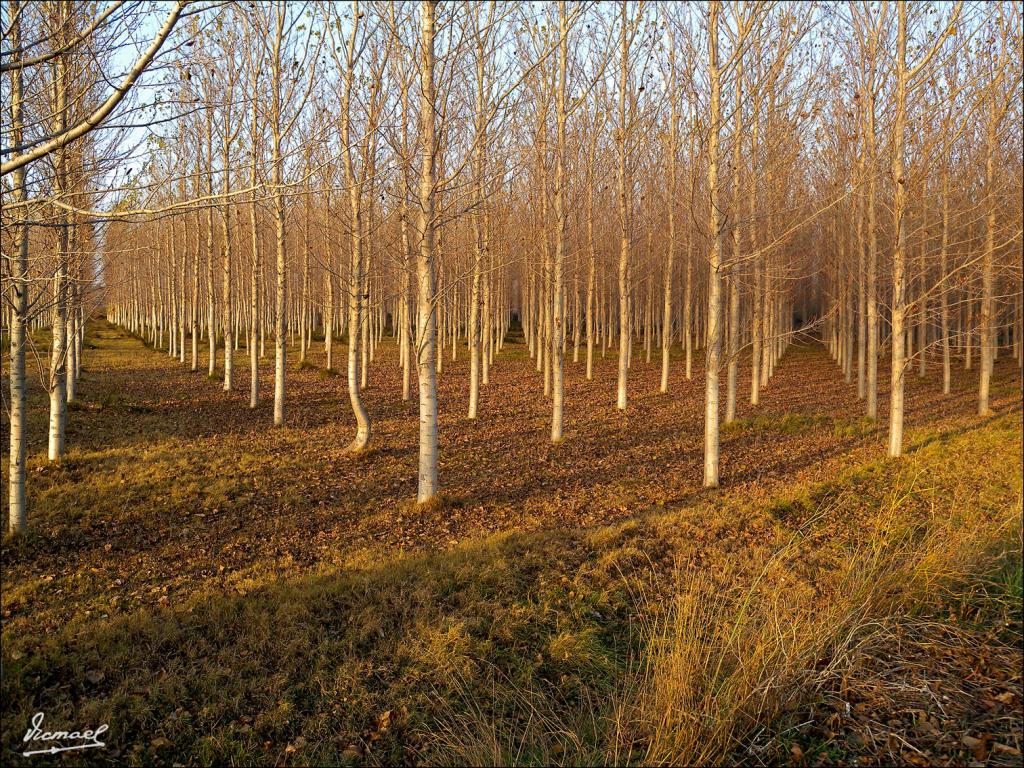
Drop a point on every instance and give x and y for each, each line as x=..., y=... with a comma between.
x=714, y=343
x=426, y=318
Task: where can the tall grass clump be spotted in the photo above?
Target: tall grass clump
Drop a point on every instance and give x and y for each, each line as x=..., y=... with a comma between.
x=727, y=657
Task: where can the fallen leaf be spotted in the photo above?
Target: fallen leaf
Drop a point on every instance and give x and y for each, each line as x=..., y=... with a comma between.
x=1006, y=749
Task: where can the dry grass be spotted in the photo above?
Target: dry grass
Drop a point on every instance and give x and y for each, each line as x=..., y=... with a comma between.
x=726, y=659
x=720, y=665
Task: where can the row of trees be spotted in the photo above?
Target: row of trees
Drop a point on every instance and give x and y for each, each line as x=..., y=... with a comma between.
x=60, y=81
x=717, y=176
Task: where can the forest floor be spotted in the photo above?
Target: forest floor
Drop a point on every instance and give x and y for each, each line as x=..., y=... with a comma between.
x=220, y=590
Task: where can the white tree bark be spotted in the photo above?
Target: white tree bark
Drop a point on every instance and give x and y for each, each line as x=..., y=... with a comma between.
x=254, y=264
x=987, y=340
x=673, y=150
x=18, y=287
x=426, y=317
x=898, y=339
x=558, y=325
x=714, y=343
x=277, y=163
x=733, y=354
x=625, y=336
x=58, y=349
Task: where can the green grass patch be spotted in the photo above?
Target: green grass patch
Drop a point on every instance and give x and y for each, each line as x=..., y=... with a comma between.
x=799, y=423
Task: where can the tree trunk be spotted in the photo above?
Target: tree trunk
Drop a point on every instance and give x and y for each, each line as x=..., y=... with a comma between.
x=229, y=345
x=558, y=326
x=280, y=350
x=872, y=270
x=18, y=287
x=944, y=269
x=987, y=330
x=899, y=251
x=714, y=344
x=426, y=318
x=356, y=313
x=625, y=338
x=58, y=351
x=666, y=319
x=733, y=354
x=254, y=361
x=478, y=237
x=211, y=318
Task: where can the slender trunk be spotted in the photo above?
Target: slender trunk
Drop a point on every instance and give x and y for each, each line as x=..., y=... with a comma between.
x=18, y=296
x=899, y=251
x=226, y=252
x=737, y=240
x=211, y=318
x=280, y=349
x=922, y=312
x=862, y=322
x=356, y=323
x=304, y=312
x=426, y=319
x=356, y=319
x=625, y=339
x=478, y=239
x=254, y=360
x=194, y=311
x=968, y=331
x=182, y=280
x=944, y=268
x=666, y=319
x=71, y=315
x=329, y=311
x=405, y=298
x=557, y=341
x=688, y=288
x=987, y=330
x=487, y=352
x=591, y=259
x=758, y=327
x=576, y=330
x=714, y=344
x=58, y=351
x=872, y=284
